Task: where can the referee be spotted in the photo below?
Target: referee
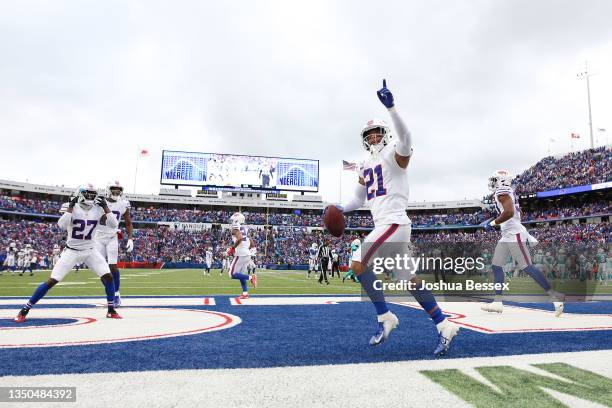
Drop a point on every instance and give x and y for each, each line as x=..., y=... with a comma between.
x=323, y=255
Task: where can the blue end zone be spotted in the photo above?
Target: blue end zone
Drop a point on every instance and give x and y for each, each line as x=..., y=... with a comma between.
x=35, y=322
x=271, y=336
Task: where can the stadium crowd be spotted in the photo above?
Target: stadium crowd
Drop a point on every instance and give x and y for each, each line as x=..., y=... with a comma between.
x=574, y=169
x=312, y=218
x=286, y=245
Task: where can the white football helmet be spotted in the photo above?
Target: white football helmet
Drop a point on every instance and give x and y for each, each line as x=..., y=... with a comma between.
x=500, y=178
x=111, y=190
x=356, y=243
x=86, y=195
x=237, y=219
x=374, y=149
x=314, y=245
x=13, y=245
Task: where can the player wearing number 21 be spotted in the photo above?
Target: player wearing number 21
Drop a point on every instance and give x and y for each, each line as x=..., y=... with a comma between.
x=80, y=218
x=383, y=187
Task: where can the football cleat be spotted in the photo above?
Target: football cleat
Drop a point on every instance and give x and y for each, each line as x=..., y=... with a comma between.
x=243, y=296
x=254, y=280
x=447, y=332
x=21, y=317
x=384, y=329
x=112, y=314
x=558, y=308
x=493, y=307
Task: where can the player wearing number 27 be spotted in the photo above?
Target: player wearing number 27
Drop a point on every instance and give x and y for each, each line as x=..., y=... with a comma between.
x=383, y=186
x=80, y=218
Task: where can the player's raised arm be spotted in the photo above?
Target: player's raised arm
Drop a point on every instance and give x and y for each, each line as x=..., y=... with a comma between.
x=108, y=218
x=403, y=147
x=66, y=218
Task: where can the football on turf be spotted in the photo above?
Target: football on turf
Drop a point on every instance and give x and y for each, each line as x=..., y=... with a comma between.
x=334, y=221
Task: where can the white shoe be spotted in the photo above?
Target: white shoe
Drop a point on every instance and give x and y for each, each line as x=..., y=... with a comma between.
x=493, y=307
x=388, y=323
x=558, y=308
x=446, y=332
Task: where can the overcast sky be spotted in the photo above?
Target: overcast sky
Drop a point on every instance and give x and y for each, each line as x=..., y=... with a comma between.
x=84, y=85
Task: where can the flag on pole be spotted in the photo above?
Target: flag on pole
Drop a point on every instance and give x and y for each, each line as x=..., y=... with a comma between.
x=575, y=136
x=348, y=166
x=144, y=153
x=601, y=129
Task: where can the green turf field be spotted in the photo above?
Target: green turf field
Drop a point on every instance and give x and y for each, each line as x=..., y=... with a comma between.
x=176, y=282
x=193, y=282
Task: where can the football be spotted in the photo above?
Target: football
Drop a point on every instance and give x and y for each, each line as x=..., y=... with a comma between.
x=334, y=221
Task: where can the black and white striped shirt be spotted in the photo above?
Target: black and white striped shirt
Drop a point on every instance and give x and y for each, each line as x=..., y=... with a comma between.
x=324, y=251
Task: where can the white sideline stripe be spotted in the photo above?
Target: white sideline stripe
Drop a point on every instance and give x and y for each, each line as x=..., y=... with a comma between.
x=294, y=300
x=388, y=384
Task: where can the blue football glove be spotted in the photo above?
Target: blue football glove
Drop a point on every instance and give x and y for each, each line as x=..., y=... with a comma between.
x=385, y=95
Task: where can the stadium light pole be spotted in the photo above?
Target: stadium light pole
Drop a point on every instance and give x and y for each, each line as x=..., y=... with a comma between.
x=586, y=75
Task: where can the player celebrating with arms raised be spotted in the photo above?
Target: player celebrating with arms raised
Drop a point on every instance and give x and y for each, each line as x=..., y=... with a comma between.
x=383, y=185
x=513, y=241
x=80, y=218
x=242, y=255
x=107, y=239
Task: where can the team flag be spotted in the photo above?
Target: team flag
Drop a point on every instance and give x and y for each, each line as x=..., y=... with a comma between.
x=144, y=153
x=348, y=166
x=575, y=136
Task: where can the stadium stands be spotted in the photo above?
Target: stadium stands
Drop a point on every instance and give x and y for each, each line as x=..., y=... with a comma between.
x=574, y=169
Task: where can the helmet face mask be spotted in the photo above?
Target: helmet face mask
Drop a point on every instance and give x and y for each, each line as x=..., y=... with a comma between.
x=86, y=195
x=114, y=191
x=375, y=135
x=500, y=178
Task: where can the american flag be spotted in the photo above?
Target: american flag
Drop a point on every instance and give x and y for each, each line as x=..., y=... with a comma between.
x=144, y=153
x=575, y=136
x=348, y=166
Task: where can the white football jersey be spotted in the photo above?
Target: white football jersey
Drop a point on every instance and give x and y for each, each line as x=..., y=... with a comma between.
x=82, y=227
x=243, y=248
x=209, y=256
x=118, y=208
x=386, y=185
x=513, y=225
x=313, y=253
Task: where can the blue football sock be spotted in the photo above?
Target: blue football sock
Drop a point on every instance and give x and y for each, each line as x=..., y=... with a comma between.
x=243, y=280
x=428, y=302
x=498, y=275
x=538, y=276
x=109, y=288
x=377, y=296
x=38, y=294
x=116, y=279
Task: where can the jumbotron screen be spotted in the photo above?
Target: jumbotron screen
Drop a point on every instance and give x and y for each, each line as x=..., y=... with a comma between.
x=238, y=171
